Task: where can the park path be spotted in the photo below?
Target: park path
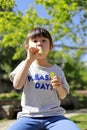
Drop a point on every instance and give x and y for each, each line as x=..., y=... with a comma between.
x=5, y=124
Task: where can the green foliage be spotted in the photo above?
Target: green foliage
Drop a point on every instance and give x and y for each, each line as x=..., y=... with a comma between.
x=82, y=99
x=6, y=5
x=15, y=26
x=62, y=11
x=68, y=22
x=11, y=95
x=80, y=120
x=56, y=57
x=75, y=71
x=13, y=30
x=76, y=74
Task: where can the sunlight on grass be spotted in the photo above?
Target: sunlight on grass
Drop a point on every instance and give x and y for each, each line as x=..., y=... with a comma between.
x=81, y=121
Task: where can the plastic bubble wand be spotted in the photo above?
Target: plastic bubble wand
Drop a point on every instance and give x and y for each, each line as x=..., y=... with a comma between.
x=52, y=75
x=40, y=51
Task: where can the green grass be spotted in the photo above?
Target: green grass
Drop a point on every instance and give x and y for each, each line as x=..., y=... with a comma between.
x=81, y=121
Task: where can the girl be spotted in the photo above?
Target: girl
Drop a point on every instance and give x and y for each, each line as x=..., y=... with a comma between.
x=42, y=91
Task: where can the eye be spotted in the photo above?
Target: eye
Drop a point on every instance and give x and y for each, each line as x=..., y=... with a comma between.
x=43, y=40
x=35, y=41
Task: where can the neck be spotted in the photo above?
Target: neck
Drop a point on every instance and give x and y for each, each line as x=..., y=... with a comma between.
x=42, y=62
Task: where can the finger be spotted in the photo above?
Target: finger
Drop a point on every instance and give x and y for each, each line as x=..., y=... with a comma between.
x=33, y=50
x=55, y=80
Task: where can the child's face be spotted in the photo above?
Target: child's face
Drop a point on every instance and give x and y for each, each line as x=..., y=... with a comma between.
x=40, y=42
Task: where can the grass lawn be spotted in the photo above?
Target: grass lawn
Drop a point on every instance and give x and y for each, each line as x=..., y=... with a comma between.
x=81, y=121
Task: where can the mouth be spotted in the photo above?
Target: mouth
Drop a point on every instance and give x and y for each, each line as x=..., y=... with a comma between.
x=40, y=50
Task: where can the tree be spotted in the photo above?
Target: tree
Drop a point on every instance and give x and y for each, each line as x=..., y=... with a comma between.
x=6, y=5
x=62, y=25
x=13, y=30
x=75, y=71
x=76, y=74
x=68, y=22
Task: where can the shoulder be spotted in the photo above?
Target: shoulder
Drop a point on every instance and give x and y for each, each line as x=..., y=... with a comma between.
x=12, y=74
x=58, y=70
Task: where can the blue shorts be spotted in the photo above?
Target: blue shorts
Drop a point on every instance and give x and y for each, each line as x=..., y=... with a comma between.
x=44, y=123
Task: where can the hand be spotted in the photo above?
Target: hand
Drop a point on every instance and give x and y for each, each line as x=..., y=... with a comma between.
x=56, y=82
x=32, y=53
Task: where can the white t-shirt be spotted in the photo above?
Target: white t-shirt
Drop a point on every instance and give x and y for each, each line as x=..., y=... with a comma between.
x=39, y=98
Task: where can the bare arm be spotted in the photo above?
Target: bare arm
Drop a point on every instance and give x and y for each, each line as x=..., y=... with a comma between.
x=20, y=76
x=61, y=91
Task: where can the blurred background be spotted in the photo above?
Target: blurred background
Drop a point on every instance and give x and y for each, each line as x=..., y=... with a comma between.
x=66, y=20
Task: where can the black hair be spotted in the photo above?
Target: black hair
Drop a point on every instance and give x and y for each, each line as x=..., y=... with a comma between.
x=38, y=32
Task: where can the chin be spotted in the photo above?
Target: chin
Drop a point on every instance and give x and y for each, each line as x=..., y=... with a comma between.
x=40, y=57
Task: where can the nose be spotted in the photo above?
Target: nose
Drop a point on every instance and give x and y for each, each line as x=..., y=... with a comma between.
x=39, y=43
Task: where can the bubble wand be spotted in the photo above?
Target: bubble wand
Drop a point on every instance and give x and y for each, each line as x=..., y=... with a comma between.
x=52, y=75
x=40, y=51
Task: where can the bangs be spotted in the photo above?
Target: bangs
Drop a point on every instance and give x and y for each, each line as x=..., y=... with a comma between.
x=38, y=33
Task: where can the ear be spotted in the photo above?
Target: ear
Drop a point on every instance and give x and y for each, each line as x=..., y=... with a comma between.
x=51, y=47
x=26, y=47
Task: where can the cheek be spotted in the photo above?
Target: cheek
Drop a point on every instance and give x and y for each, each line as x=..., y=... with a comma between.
x=46, y=46
x=46, y=49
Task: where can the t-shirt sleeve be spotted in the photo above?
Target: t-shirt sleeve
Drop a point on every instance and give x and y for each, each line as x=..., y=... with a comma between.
x=12, y=74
